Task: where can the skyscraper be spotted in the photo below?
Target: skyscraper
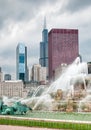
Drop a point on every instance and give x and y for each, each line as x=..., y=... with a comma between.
x=21, y=62
x=63, y=48
x=44, y=47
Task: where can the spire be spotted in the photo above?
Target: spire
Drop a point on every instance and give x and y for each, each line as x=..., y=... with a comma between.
x=45, y=22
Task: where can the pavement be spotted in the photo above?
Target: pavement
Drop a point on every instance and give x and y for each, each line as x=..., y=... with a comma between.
x=8, y=127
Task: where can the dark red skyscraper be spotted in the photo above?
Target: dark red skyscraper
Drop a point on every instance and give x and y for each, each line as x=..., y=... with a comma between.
x=62, y=48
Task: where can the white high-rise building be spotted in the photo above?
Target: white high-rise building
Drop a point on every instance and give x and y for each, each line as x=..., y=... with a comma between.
x=39, y=73
x=42, y=73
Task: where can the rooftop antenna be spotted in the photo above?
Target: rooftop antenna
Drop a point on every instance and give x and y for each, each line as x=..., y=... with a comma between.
x=45, y=22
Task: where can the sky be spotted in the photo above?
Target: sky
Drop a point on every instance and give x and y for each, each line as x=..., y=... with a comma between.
x=22, y=21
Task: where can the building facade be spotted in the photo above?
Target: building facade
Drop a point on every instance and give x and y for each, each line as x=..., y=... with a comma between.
x=11, y=88
x=44, y=47
x=89, y=67
x=1, y=75
x=21, y=62
x=39, y=73
x=7, y=77
x=35, y=72
x=62, y=48
x=42, y=74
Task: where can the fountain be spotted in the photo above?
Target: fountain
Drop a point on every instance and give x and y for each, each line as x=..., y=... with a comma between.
x=68, y=93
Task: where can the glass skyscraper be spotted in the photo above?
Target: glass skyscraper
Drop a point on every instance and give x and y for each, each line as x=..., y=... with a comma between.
x=44, y=47
x=21, y=62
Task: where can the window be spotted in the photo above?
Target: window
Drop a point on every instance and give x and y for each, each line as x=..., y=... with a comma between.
x=21, y=58
x=22, y=76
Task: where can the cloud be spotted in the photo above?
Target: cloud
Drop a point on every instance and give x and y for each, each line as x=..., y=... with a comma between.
x=22, y=21
x=77, y=5
x=20, y=10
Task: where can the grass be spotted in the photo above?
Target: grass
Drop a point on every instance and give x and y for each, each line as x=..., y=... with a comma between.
x=63, y=124
x=44, y=124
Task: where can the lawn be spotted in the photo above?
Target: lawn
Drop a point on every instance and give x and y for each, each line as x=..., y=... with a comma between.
x=58, y=120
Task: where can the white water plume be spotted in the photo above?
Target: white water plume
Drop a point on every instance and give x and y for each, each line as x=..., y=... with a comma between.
x=73, y=71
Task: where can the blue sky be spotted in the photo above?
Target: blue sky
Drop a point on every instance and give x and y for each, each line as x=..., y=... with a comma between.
x=22, y=21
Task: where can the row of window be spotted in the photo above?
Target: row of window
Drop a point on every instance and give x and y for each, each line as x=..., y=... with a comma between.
x=21, y=58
